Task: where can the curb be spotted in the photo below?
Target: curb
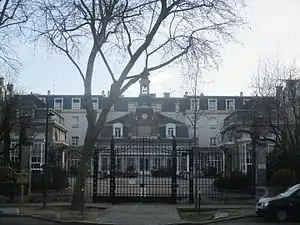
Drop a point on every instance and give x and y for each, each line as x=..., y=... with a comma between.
x=57, y=220
x=214, y=220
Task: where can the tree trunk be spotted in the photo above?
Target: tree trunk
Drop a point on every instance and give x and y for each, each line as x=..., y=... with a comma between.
x=79, y=189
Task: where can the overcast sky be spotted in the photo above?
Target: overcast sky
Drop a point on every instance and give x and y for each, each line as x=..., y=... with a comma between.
x=274, y=32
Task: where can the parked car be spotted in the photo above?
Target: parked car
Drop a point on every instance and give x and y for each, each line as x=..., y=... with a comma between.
x=282, y=207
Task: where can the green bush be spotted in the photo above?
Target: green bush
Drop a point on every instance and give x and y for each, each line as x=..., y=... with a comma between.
x=236, y=180
x=283, y=178
x=161, y=172
x=8, y=184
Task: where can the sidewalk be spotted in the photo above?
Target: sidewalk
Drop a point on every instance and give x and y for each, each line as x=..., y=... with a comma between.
x=123, y=214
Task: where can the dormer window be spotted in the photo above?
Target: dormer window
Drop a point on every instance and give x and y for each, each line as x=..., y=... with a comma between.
x=58, y=103
x=170, y=130
x=118, y=130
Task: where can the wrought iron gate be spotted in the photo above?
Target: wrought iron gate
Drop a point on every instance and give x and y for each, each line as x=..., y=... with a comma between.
x=144, y=170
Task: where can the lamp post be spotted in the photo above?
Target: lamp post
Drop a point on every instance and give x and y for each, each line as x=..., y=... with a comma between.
x=46, y=152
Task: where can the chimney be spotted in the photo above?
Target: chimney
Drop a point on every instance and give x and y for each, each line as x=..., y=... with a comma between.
x=10, y=87
x=167, y=95
x=241, y=94
x=185, y=94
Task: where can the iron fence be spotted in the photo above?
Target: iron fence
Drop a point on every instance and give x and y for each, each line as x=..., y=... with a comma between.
x=149, y=170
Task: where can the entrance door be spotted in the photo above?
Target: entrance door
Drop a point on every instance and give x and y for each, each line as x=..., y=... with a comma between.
x=144, y=165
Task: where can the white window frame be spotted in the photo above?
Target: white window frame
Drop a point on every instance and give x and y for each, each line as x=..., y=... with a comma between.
x=62, y=103
x=194, y=104
x=76, y=124
x=39, y=154
x=213, y=141
x=76, y=103
x=245, y=100
x=227, y=105
x=75, y=140
x=95, y=103
x=131, y=106
x=208, y=104
x=158, y=107
x=43, y=99
x=177, y=106
x=170, y=126
x=118, y=126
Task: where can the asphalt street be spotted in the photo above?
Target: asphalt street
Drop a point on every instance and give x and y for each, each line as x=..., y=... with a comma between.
x=23, y=221
x=251, y=221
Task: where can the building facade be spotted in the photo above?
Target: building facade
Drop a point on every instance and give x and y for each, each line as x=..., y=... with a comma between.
x=211, y=112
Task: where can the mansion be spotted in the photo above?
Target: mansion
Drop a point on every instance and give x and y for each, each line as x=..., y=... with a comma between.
x=148, y=116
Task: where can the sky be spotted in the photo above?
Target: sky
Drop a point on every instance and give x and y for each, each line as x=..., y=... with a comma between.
x=273, y=31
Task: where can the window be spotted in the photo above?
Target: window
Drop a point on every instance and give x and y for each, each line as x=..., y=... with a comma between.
x=245, y=101
x=105, y=163
x=170, y=130
x=43, y=100
x=212, y=104
x=37, y=156
x=131, y=106
x=177, y=106
x=158, y=107
x=213, y=123
x=213, y=141
x=195, y=104
x=118, y=130
x=75, y=140
x=95, y=103
x=230, y=104
x=75, y=121
x=14, y=153
x=58, y=103
x=76, y=103
x=183, y=164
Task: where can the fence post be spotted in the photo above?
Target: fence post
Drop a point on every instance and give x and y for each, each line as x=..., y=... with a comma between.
x=174, y=171
x=112, y=172
x=191, y=174
x=95, y=174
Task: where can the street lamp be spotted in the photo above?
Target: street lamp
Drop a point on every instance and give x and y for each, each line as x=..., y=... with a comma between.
x=48, y=114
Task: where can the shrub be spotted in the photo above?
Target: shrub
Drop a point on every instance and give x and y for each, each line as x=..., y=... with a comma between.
x=130, y=172
x=56, y=179
x=236, y=180
x=8, y=184
x=283, y=178
x=161, y=172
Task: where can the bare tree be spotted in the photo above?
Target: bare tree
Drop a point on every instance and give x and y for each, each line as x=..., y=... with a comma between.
x=193, y=76
x=280, y=84
x=14, y=14
x=148, y=34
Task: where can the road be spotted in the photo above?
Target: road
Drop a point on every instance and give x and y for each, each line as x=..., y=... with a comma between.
x=23, y=221
x=251, y=221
